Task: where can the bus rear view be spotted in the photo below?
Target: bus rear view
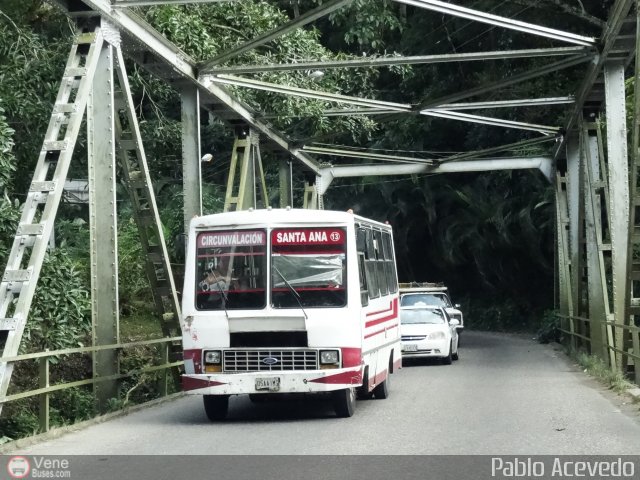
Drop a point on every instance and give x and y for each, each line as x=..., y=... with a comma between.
x=289, y=301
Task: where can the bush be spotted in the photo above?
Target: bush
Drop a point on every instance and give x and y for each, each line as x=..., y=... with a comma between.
x=60, y=315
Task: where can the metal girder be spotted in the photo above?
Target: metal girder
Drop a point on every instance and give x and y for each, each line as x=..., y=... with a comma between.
x=366, y=155
x=528, y=102
x=619, y=13
x=576, y=219
x=566, y=63
x=191, y=155
x=148, y=3
x=500, y=148
x=597, y=290
x=531, y=102
x=497, y=122
x=304, y=92
x=505, y=22
x=176, y=65
x=490, y=164
x=304, y=19
x=401, y=60
x=617, y=162
x=103, y=231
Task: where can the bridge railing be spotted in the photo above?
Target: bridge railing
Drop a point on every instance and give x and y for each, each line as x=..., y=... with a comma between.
x=574, y=326
x=45, y=389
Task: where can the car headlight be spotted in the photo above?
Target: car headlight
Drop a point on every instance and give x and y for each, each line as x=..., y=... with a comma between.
x=213, y=357
x=437, y=336
x=328, y=357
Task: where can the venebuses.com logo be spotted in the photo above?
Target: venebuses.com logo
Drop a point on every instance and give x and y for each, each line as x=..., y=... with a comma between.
x=18, y=467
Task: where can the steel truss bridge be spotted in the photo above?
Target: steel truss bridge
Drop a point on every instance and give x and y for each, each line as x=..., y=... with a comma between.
x=594, y=173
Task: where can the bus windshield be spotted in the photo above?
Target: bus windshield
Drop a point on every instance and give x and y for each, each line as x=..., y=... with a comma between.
x=313, y=262
x=231, y=270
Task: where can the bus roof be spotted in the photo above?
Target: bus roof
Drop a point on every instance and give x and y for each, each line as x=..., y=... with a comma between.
x=259, y=217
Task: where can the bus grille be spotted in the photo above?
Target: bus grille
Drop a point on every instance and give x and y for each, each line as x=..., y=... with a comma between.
x=269, y=360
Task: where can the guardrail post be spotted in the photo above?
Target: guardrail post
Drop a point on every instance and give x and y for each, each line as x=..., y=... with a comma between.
x=164, y=375
x=635, y=341
x=43, y=382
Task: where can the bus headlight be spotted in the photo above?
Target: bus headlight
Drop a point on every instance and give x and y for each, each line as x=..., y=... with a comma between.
x=213, y=361
x=329, y=357
x=213, y=357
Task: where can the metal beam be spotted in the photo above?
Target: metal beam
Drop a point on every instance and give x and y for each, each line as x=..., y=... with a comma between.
x=529, y=102
x=497, y=122
x=179, y=64
x=366, y=155
x=367, y=62
x=191, y=155
x=304, y=19
x=304, y=92
x=101, y=147
x=617, y=161
x=619, y=13
x=500, y=148
x=504, y=22
x=148, y=3
x=490, y=164
x=538, y=72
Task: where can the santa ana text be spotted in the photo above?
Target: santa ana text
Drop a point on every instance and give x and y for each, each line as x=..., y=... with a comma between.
x=527, y=467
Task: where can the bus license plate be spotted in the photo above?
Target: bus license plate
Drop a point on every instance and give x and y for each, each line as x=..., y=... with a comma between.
x=411, y=347
x=268, y=383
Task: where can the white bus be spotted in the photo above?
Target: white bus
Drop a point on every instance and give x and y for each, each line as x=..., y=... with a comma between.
x=289, y=301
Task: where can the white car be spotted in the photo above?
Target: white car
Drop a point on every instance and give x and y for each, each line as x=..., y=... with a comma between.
x=428, y=331
x=432, y=296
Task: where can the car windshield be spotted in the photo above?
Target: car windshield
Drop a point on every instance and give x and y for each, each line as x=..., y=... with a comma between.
x=420, y=299
x=421, y=315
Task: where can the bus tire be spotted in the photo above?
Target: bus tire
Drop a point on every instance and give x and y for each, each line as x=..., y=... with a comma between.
x=363, y=393
x=344, y=402
x=382, y=389
x=216, y=407
x=258, y=397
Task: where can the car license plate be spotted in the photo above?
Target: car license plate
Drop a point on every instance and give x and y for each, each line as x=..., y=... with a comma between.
x=268, y=383
x=411, y=347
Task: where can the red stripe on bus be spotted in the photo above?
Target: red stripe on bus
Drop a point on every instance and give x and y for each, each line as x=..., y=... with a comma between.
x=350, y=378
x=394, y=314
x=382, y=311
x=189, y=383
x=372, y=334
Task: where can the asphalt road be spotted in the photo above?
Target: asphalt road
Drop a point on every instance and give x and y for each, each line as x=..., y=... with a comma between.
x=507, y=395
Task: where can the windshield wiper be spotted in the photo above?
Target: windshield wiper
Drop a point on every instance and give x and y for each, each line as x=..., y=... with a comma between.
x=293, y=290
x=225, y=299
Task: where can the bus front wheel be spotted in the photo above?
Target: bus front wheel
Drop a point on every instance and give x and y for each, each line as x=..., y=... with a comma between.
x=344, y=402
x=216, y=407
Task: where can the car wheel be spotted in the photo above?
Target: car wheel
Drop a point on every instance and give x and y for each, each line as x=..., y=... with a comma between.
x=216, y=407
x=382, y=390
x=448, y=359
x=344, y=402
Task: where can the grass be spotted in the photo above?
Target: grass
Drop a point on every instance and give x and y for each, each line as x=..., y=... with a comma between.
x=141, y=325
x=596, y=367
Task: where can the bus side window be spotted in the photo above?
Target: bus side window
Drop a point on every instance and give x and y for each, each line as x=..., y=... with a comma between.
x=370, y=265
x=390, y=270
x=364, y=293
x=383, y=280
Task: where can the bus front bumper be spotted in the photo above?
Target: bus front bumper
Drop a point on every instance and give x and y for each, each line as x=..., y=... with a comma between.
x=272, y=382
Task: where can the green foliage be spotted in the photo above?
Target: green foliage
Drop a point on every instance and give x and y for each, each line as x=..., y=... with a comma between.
x=19, y=420
x=72, y=405
x=548, y=331
x=34, y=43
x=9, y=217
x=597, y=368
x=7, y=160
x=133, y=284
x=60, y=315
